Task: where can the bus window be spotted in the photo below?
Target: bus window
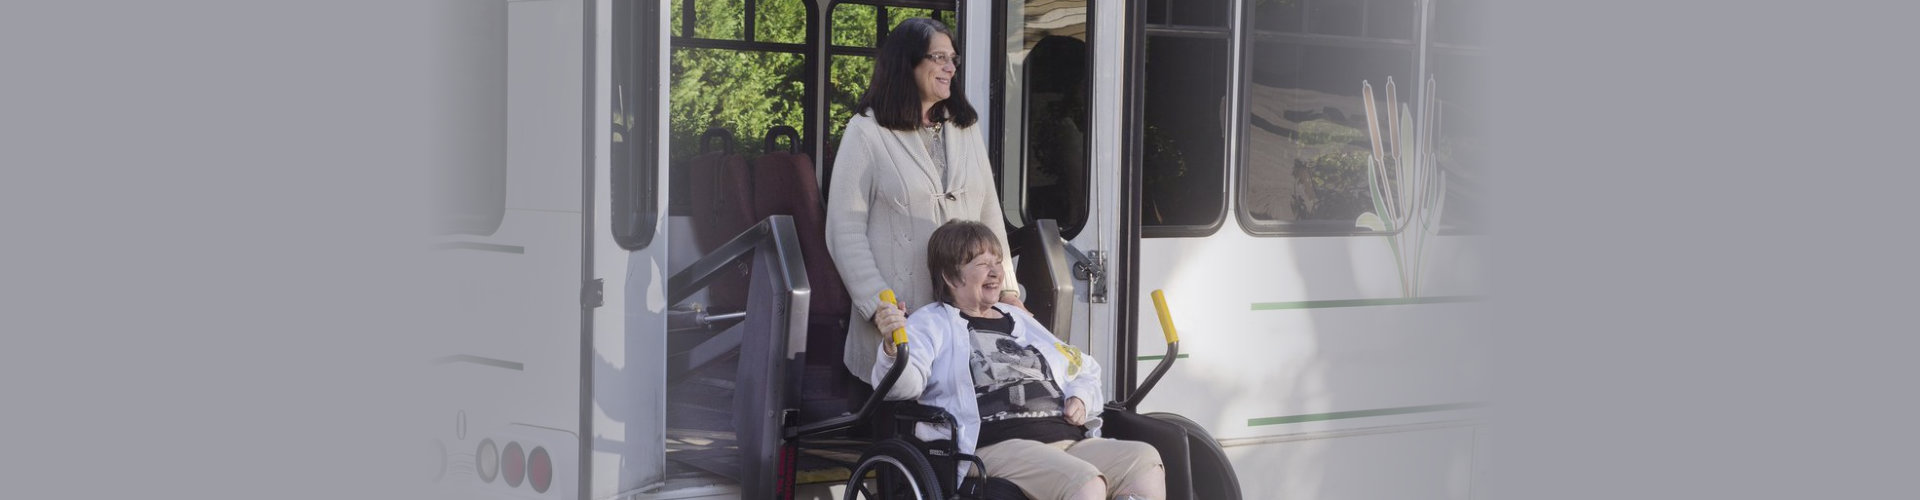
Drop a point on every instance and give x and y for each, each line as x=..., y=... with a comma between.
x=1306, y=145
x=1335, y=17
x=780, y=21
x=848, y=78
x=854, y=25
x=1460, y=141
x=1459, y=22
x=721, y=77
x=470, y=189
x=1384, y=19
x=1392, y=19
x=1188, y=12
x=897, y=14
x=634, y=131
x=719, y=19
x=1279, y=16
x=854, y=30
x=675, y=17
x=1184, y=110
x=1043, y=144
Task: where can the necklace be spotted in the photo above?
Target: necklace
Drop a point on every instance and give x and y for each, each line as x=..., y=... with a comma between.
x=934, y=135
x=936, y=145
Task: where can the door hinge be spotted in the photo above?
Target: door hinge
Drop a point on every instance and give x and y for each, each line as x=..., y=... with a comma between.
x=1093, y=269
x=593, y=293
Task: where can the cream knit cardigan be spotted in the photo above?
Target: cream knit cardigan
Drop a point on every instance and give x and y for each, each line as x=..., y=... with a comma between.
x=886, y=198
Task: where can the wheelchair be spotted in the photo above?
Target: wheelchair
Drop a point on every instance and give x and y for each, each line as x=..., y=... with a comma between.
x=895, y=464
x=788, y=400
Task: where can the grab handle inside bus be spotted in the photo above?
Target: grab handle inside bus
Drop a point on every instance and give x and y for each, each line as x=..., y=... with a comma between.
x=1166, y=362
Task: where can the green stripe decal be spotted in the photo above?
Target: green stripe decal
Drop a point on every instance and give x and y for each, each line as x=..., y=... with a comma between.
x=1316, y=417
x=1157, y=357
x=1325, y=304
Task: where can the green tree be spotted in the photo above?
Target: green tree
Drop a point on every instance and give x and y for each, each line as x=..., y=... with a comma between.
x=744, y=92
x=749, y=92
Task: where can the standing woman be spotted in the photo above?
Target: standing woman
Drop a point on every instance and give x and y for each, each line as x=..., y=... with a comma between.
x=911, y=159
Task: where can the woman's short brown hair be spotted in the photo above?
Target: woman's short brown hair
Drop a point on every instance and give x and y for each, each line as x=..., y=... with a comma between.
x=952, y=246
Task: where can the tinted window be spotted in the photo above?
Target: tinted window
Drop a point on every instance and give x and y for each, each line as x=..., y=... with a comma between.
x=1182, y=153
x=1460, y=22
x=1279, y=15
x=1306, y=163
x=1044, y=141
x=1460, y=140
x=1399, y=19
x=634, y=140
x=470, y=188
x=1335, y=17
x=1211, y=13
x=1307, y=148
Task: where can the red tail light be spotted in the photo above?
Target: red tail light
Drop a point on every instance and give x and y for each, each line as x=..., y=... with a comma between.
x=514, y=464
x=539, y=470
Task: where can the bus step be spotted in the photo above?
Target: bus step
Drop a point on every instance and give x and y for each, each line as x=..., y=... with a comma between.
x=722, y=461
x=689, y=416
x=713, y=382
x=690, y=439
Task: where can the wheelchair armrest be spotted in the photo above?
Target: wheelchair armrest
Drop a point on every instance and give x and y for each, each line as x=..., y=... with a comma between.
x=910, y=411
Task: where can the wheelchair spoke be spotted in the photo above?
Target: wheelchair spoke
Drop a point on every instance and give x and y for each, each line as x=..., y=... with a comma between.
x=894, y=470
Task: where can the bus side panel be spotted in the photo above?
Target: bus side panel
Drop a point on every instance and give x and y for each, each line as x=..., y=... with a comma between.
x=1429, y=464
x=1290, y=338
x=629, y=330
x=508, y=374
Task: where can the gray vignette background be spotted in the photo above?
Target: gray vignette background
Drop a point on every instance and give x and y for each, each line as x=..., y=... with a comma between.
x=212, y=211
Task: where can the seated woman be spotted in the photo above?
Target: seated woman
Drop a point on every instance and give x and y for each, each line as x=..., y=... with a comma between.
x=1021, y=397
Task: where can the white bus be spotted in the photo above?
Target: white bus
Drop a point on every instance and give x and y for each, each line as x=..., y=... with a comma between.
x=1321, y=250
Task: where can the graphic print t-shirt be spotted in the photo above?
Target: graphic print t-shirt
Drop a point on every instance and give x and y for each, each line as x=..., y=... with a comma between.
x=1017, y=394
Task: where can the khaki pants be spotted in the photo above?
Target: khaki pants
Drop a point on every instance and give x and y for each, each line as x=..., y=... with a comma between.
x=1047, y=471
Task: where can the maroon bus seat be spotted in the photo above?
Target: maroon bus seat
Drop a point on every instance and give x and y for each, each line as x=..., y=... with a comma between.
x=784, y=184
x=721, y=189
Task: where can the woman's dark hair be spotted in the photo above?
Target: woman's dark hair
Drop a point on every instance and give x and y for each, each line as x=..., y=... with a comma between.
x=893, y=97
x=952, y=246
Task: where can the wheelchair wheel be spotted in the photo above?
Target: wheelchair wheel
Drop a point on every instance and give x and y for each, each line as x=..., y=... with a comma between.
x=900, y=471
x=1213, y=476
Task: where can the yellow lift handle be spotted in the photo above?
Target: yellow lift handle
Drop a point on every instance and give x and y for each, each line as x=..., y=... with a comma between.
x=1166, y=317
x=900, y=334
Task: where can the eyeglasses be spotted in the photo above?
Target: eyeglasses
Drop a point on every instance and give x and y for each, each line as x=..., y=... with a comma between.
x=942, y=58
